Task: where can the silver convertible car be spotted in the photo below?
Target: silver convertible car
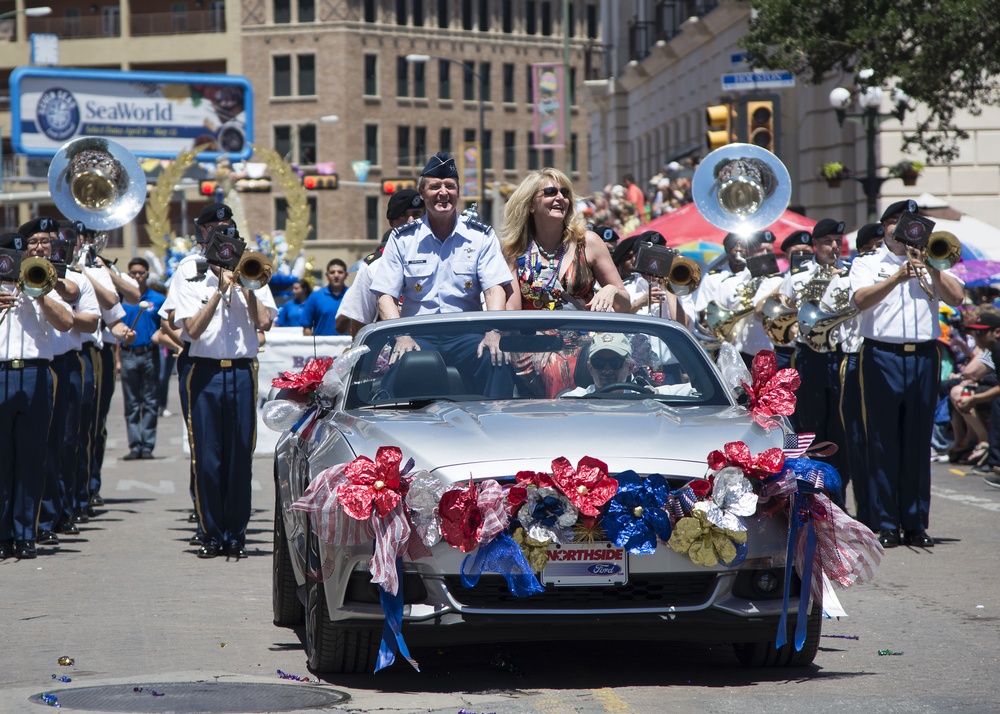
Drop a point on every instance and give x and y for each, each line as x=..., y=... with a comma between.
x=638, y=394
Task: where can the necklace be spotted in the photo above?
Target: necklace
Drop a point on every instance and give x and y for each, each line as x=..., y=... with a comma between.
x=549, y=256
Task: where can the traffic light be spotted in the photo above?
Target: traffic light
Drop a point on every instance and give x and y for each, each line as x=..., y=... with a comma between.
x=718, y=118
x=760, y=124
x=261, y=185
x=208, y=188
x=320, y=182
x=391, y=186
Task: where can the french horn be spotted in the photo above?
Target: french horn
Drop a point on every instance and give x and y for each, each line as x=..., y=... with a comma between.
x=779, y=317
x=816, y=326
x=97, y=181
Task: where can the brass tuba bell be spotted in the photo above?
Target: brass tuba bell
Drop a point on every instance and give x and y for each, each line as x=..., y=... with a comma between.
x=741, y=188
x=779, y=316
x=254, y=270
x=97, y=181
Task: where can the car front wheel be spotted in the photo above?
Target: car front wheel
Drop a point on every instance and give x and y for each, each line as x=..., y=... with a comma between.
x=285, y=603
x=765, y=654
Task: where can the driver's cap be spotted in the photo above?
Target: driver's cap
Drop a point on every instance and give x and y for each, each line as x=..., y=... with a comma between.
x=610, y=342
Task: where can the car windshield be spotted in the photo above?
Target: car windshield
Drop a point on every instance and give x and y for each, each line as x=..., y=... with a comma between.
x=417, y=361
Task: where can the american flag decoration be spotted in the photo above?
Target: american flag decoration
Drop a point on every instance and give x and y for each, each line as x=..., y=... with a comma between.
x=797, y=444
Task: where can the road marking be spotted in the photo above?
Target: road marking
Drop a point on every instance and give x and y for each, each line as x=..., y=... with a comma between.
x=165, y=487
x=977, y=501
x=611, y=701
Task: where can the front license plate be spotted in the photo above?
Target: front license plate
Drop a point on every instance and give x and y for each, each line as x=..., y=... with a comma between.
x=586, y=564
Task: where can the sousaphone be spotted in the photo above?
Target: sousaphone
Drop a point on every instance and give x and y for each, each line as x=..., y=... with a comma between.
x=741, y=188
x=97, y=181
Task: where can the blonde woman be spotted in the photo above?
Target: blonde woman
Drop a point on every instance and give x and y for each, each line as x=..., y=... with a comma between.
x=559, y=264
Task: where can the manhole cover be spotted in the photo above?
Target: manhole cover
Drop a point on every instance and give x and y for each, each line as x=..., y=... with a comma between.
x=194, y=698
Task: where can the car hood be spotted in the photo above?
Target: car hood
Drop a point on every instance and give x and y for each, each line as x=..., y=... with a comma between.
x=503, y=437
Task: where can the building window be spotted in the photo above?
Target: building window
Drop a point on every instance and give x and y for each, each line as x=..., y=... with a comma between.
x=307, y=75
x=371, y=144
x=444, y=79
x=507, y=15
x=419, y=145
x=404, y=157
x=178, y=17
x=307, y=10
x=420, y=79
x=443, y=14
x=592, y=21
x=469, y=135
x=371, y=75
x=402, y=77
x=73, y=24
x=372, y=218
x=418, y=13
x=467, y=19
x=469, y=81
x=546, y=18
x=307, y=144
x=572, y=86
x=487, y=149
x=283, y=141
x=282, y=66
x=530, y=84
x=281, y=215
x=532, y=152
x=572, y=20
x=444, y=139
x=484, y=83
x=371, y=11
x=400, y=12
x=508, y=83
x=484, y=15
x=530, y=17
x=573, y=155
x=548, y=157
x=282, y=11
x=509, y=150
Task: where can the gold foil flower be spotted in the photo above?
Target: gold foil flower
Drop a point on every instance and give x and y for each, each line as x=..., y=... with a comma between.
x=706, y=544
x=535, y=551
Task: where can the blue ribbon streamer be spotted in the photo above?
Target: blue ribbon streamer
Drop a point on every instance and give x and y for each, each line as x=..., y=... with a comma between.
x=501, y=555
x=392, y=631
x=799, y=516
x=302, y=419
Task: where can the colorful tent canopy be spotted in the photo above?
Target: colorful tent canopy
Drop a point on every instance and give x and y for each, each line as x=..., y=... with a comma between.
x=686, y=224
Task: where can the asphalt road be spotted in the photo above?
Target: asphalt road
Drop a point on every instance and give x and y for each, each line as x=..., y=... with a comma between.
x=131, y=604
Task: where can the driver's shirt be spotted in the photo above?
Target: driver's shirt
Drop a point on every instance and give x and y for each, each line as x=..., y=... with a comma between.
x=677, y=390
x=434, y=276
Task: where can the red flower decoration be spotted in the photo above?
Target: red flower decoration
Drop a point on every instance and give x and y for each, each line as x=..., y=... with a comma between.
x=757, y=467
x=534, y=478
x=588, y=487
x=373, y=483
x=306, y=381
x=701, y=487
x=773, y=390
x=461, y=519
x=516, y=496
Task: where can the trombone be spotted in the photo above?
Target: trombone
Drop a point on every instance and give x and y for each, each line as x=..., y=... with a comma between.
x=943, y=251
x=253, y=271
x=38, y=277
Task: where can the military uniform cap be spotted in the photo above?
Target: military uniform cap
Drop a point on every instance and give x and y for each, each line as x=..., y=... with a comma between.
x=11, y=241
x=42, y=224
x=401, y=202
x=828, y=227
x=899, y=207
x=796, y=238
x=214, y=212
x=440, y=166
x=868, y=233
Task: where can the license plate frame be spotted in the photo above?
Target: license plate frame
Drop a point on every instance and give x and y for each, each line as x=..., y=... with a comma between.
x=598, y=564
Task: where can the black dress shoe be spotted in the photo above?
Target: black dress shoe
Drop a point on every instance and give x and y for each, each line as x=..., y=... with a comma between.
x=193, y=518
x=6, y=549
x=67, y=528
x=197, y=539
x=81, y=517
x=147, y=455
x=91, y=512
x=919, y=539
x=47, y=538
x=97, y=501
x=209, y=550
x=235, y=550
x=25, y=550
x=888, y=539
x=132, y=456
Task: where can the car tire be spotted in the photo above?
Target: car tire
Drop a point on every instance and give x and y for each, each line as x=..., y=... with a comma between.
x=331, y=648
x=765, y=654
x=285, y=603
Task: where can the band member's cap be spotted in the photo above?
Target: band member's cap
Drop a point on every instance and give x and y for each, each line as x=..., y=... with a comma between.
x=828, y=227
x=796, y=238
x=214, y=212
x=868, y=233
x=11, y=241
x=899, y=207
x=42, y=224
x=401, y=202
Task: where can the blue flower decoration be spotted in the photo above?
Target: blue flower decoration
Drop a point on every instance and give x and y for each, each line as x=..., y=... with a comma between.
x=634, y=516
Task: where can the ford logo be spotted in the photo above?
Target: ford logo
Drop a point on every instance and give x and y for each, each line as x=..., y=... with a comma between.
x=604, y=569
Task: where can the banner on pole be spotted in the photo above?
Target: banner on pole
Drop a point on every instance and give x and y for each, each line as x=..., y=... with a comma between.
x=547, y=79
x=470, y=169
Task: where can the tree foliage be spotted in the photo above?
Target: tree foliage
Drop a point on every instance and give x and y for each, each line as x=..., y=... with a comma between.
x=945, y=54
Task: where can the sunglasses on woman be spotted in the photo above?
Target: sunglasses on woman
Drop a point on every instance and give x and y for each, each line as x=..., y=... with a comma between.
x=550, y=191
x=606, y=362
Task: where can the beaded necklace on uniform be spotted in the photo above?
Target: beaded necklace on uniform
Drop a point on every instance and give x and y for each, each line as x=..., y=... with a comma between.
x=543, y=295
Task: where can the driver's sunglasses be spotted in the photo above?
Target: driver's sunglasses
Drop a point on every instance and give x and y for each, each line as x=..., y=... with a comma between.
x=550, y=191
x=606, y=362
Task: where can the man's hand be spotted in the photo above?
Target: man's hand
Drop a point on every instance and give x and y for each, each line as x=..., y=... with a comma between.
x=965, y=403
x=404, y=344
x=7, y=299
x=225, y=280
x=122, y=333
x=491, y=342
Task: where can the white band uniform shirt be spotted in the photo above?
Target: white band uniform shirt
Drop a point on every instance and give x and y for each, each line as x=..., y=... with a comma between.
x=708, y=290
x=86, y=304
x=748, y=336
x=905, y=314
x=25, y=333
x=110, y=316
x=360, y=304
x=434, y=276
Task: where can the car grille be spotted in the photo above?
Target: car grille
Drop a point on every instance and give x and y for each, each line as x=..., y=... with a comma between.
x=642, y=592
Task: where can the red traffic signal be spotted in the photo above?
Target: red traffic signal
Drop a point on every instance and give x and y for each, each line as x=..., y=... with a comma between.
x=208, y=188
x=391, y=186
x=320, y=182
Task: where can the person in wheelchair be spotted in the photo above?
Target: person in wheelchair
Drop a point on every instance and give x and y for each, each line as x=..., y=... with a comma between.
x=609, y=363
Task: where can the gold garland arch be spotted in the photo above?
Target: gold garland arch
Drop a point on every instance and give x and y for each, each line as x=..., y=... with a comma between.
x=288, y=182
x=158, y=208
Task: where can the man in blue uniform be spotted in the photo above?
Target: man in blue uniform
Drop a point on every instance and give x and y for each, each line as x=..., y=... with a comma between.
x=221, y=318
x=25, y=410
x=900, y=376
x=443, y=264
x=139, y=366
x=321, y=308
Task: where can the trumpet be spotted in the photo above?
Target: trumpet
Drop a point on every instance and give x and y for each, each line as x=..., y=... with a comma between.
x=38, y=277
x=684, y=276
x=254, y=270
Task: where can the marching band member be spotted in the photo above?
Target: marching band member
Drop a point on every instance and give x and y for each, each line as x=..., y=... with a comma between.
x=796, y=243
x=221, y=318
x=738, y=291
x=900, y=377
x=25, y=412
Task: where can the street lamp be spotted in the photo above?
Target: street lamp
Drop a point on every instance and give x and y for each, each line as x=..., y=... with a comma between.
x=869, y=101
x=479, y=78
x=28, y=11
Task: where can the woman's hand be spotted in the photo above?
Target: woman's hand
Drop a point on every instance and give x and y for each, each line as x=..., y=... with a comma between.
x=603, y=300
